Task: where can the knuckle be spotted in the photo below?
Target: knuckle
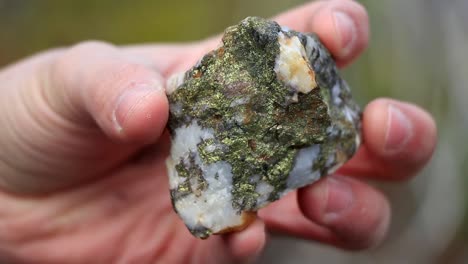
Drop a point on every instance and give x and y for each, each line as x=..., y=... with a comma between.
x=76, y=53
x=74, y=58
x=90, y=46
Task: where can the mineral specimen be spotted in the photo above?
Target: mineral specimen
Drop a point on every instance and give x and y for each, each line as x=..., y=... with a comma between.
x=264, y=114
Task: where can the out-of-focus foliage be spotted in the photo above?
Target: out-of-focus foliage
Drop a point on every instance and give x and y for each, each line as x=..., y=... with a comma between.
x=418, y=53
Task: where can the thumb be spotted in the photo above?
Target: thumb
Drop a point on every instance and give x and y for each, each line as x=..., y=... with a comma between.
x=125, y=98
x=72, y=115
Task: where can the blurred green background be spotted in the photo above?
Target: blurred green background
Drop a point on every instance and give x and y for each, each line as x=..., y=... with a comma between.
x=418, y=52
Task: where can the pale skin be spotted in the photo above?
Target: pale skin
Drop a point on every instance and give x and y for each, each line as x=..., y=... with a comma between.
x=82, y=174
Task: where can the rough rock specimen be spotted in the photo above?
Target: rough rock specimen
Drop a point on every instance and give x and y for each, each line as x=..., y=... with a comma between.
x=264, y=114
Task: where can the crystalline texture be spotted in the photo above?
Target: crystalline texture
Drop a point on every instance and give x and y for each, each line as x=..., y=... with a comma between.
x=264, y=114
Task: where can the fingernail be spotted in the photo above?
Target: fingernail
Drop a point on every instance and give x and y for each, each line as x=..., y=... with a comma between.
x=340, y=199
x=399, y=130
x=128, y=101
x=346, y=30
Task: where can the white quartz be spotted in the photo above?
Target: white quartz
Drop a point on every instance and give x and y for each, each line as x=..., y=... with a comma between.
x=302, y=172
x=211, y=208
x=292, y=66
x=174, y=82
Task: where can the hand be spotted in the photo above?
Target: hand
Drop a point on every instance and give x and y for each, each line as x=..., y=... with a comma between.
x=82, y=174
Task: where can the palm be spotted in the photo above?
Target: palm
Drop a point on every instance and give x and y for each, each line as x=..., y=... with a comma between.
x=125, y=217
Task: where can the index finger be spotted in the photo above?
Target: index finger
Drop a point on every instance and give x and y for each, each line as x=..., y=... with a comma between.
x=342, y=25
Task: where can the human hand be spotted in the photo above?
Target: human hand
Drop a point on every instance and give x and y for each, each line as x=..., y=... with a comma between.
x=82, y=174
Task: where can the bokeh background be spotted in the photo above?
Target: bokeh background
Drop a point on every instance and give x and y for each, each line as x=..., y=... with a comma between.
x=418, y=53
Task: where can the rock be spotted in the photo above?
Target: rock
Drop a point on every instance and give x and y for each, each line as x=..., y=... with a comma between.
x=264, y=114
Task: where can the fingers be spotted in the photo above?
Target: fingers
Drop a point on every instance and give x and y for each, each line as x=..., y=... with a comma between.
x=356, y=215
x=247, y=245
x=399, y=139
x=337, y=210
x=125, y=98
x=342, y=25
